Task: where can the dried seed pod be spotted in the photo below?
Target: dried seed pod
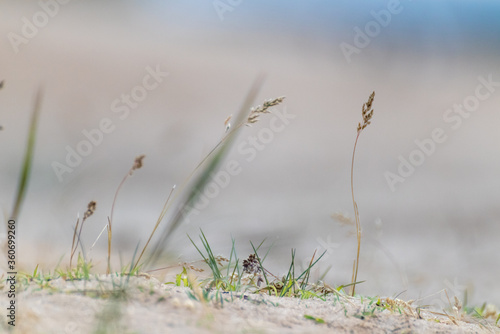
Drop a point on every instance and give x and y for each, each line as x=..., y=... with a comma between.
x=251, y=265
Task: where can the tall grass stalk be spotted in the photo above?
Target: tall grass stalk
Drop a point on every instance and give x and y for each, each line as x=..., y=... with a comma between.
x=367, y=113
x=137, y=164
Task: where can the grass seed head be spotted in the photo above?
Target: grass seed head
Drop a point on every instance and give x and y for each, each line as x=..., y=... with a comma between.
x=262, y=109
x=220, y=259
x=137, y=163
x=367, y=113
x=91, y=207
x=190, y=266
x=251, y=265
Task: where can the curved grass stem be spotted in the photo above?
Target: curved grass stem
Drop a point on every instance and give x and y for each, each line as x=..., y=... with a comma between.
x=356, y=216
x=367, y=113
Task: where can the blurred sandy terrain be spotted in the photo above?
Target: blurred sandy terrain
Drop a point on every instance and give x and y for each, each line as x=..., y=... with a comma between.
x=440, y=227
x=149, y=306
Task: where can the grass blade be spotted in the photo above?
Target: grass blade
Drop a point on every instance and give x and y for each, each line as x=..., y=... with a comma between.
x=231, y=254
x=260, y=263
x=210, y=259
x=28, y=157
x=158, y=221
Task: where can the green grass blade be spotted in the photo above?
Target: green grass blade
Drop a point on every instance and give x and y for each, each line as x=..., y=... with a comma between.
x=267, y=253
x=233, y=253
x=307, y=272
x=312, y=265
x=132, y=266
x=28, y=157
x=199, y=251
x=260, y=263
x=289, y=276
x=213, y=262
x=209, y=259
x=317, y=320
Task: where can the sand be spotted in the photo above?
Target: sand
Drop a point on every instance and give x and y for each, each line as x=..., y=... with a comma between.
x=145, y=305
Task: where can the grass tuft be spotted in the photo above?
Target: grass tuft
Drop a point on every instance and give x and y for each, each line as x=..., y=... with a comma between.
x=254, y=278
x=212, y=261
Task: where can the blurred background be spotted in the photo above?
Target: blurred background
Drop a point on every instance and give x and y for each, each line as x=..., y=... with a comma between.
x=439, y=229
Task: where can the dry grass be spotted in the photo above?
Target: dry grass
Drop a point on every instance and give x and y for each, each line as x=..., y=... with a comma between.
x=158, y=221
x=137, y=165
x=209, y=163
x=91, y=207
x=367, y=113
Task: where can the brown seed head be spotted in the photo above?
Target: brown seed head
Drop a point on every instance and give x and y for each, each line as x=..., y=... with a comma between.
x=91, y=207
x=367, y=113
x=251, y=265
x=137, y=163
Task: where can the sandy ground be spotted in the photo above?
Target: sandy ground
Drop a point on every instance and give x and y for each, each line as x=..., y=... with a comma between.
x=150, y=307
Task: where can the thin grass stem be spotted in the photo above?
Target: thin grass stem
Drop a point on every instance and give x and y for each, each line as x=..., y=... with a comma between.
x=160, y=218
x=367, y=113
